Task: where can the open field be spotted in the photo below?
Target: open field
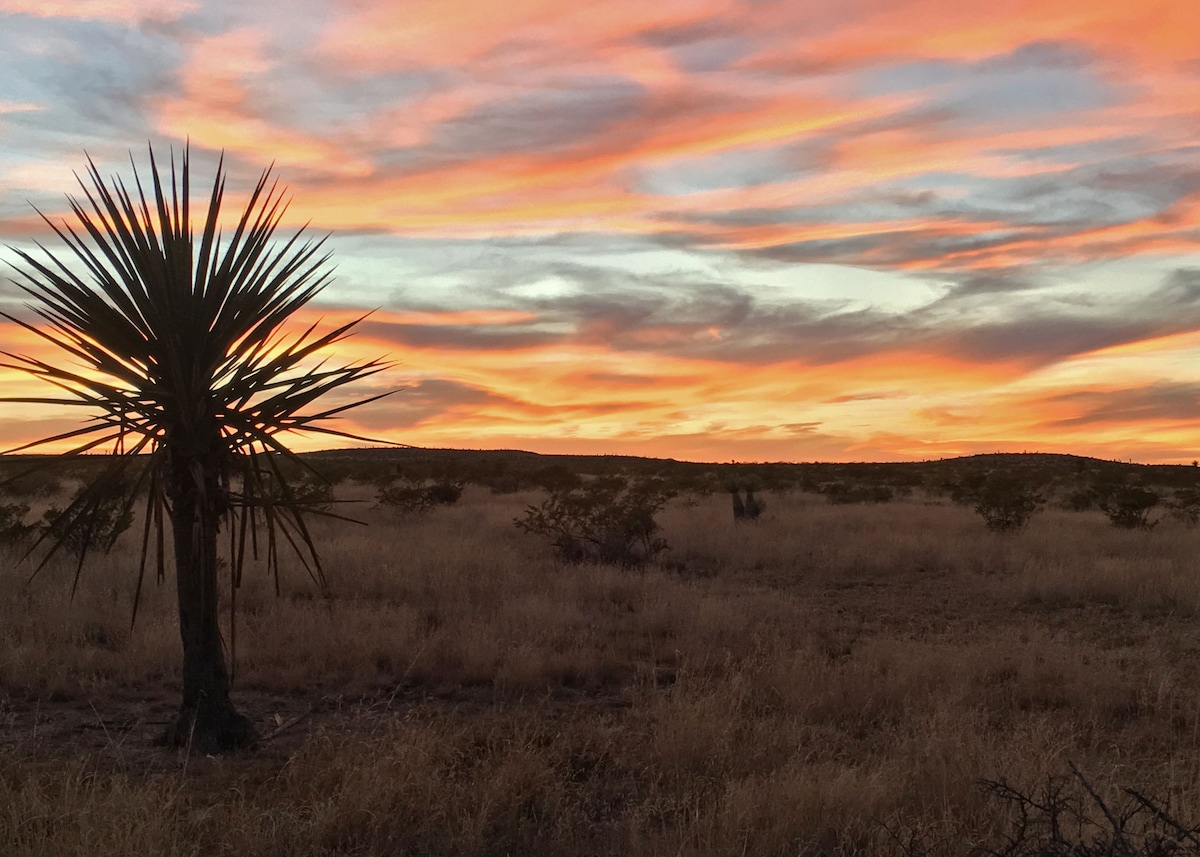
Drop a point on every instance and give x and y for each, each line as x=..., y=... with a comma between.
x=832, y=679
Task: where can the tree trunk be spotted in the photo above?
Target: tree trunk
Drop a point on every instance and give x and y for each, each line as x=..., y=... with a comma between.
x=207, y=721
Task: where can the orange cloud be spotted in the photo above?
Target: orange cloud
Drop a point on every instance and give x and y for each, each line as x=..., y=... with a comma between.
x=379, y=35
x=582, y=398
x=1157, y=31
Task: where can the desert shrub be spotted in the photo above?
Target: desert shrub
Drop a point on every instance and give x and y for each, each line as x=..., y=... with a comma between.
x=609, y=520
x=409, y=498
x=1128, y=507
x=1006, y=503
x=1068, y=816
x=314, y=494
x=13, y=529
x=1081, y=499
x=94, y=519
x=445, y=493
x=308, y=492
x=304, y=491
x=1185, y=506
x=846, y=493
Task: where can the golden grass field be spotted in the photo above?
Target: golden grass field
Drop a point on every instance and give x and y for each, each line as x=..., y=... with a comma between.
x=828, y=680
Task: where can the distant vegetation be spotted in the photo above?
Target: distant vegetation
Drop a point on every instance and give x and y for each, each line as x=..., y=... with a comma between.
x=509, y=471
x=638, y=667
x=412, y=497
x=1006, y=489
x=607, y=520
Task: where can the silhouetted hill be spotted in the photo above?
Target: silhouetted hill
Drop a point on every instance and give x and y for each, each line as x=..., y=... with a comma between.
x=517, y=469
x=507, y=470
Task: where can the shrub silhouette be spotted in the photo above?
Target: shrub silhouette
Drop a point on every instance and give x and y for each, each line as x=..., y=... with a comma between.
x=608, y=520
x=1081, y=499
x=847, y=493
x=13, y=529
x=1129, y=507
x=1185, y=506
x=310, y=493
x=410, y=498
x=1005, y=503
x=1069, y=817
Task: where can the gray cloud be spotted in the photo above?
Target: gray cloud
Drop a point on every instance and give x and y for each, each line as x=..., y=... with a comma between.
x=429, y=399
x=421, y=402
x=989, y=284
x=1181, y=289
x=571, y=114
x=1011, y=316
x=94, y=80
x=1160, y=401
x=1040, y=340
x=618, y=379
x=459, y=337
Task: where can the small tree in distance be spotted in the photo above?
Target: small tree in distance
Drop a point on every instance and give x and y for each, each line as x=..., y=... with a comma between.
x=176, y=343
x=1128, y=507
x=1005, y=502
x=609, y=519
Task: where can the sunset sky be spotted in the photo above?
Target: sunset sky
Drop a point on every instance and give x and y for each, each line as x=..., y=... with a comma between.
x=703, y=229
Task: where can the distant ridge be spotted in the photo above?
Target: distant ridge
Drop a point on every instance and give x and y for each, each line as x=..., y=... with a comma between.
x=1035, y=467
x=991, y=459
x=400, y=454
x=510, y=470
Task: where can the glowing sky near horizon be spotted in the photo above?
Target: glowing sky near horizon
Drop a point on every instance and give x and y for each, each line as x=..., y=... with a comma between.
x=704, y=229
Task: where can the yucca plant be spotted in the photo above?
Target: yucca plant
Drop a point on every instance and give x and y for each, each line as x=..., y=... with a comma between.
x=178, y=345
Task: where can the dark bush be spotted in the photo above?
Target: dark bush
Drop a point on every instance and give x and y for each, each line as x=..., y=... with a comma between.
x=1081, y=499
x=308, y=492
x=845, y=493
x=1129, y=507
x=607, y=520
x=1185, y=506
x=411, y=499
x=1068, y=817
x=13, y=529
x=1005, y=503
x=445, y=493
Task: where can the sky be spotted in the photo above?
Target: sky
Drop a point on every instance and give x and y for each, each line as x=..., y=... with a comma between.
x=752, y=230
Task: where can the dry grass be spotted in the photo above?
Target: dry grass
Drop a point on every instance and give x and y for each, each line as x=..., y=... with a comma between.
x=828, y=680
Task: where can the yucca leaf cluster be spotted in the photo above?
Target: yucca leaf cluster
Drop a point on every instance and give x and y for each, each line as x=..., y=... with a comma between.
x=182, y=349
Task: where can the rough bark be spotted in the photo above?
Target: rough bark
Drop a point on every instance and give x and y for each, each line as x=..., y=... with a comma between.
x=207, y=721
